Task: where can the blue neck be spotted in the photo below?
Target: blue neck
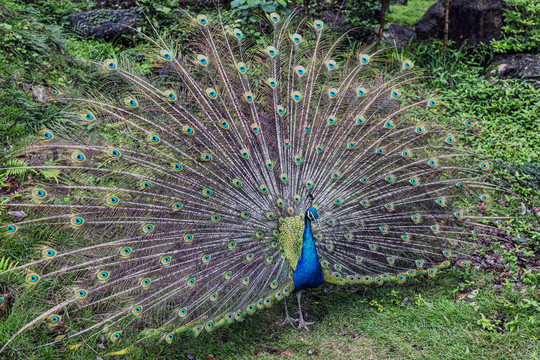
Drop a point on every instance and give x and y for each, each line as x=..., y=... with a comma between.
x=308, y=272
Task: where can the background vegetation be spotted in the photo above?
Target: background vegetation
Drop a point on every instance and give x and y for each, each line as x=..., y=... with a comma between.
x=491, y=312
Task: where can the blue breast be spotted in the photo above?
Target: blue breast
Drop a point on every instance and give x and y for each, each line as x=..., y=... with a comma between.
x=308, y=273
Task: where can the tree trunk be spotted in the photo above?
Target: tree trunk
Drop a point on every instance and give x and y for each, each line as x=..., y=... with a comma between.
x=384, y=7
x=446, y=21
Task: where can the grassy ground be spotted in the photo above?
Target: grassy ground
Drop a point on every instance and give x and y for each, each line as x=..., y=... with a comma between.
x=409, y=14
x=440, y=318
x=416, y=321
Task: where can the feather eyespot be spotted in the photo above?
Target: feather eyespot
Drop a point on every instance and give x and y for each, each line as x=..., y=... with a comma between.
x=88, y=116
x=165, y=260
x=114, y=153
x=207, y=192
x=244, y=153
x=364, y=59
x=300, y=70
x=39, y=193
x=112, y=200
x=110, y=64
x=103, y=275
x=202, y=20
x=211, y=93
x=54, y=319
x=32, y=278
x=318, y=25
x=46, y=135
x=188, y=238
x=420, y=129
x=170, y=95
x=361, y=91
x=153, y=138
x=205, y=259
x=12, y=229
x=407, y=65
x=80, y=294
x=332, y=93
x=271, y=51
x=331, y=65
x=296, y=96
x=165, y=55
x=144, y=185
x=76, y=221
x=275, y=17
x=145, y=283
x=249, y=97
x=272, y=82
x=202, y=59
x=296, y=38
x=331, y=120
x=238, y=34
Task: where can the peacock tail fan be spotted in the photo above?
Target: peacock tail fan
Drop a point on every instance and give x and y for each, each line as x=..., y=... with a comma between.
x=175, y=203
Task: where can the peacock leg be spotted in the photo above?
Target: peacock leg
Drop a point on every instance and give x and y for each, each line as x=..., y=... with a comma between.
x=301, y=324
x=288, y=319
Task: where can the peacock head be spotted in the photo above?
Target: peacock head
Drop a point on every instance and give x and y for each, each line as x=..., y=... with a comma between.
x=312, y=214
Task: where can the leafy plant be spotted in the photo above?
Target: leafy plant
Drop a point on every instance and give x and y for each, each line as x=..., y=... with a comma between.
x=521, y=30
x=246, y=7
x=15, y=167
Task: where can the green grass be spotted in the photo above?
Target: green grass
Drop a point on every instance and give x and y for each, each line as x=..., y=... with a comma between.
x=418, y=320
x=408, y=15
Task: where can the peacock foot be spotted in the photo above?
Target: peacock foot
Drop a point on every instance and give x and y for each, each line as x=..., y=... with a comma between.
x=289, y=320
x=302, y=324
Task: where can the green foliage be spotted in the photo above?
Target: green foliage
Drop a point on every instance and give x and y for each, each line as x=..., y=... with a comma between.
x=19, y=167
x=246, y=7
x=521, y=30
x=408, y=15
x=505, y=118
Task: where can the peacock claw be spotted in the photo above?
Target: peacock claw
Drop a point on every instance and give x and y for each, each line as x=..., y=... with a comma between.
x=289, y=320
x=304, y=324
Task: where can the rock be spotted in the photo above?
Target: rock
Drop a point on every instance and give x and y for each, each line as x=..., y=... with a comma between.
x=516, y=66
x=471, y=21
x=397, y=34
x=106, y=24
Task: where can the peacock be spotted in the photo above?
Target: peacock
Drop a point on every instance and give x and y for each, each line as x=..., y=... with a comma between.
x=240, y=173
